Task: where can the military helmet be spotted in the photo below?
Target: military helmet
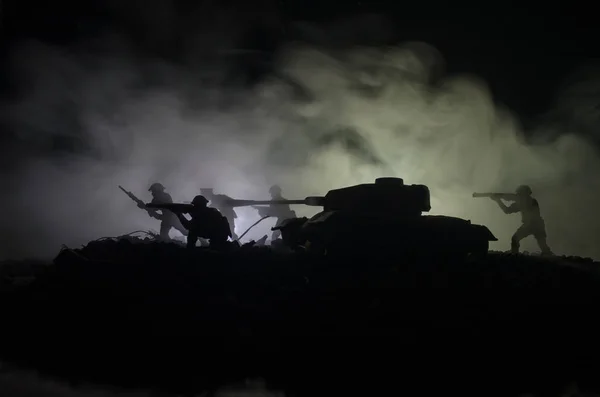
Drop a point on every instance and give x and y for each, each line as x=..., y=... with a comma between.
x=524, y=190
x=156, y=186
x=200, y=201
x=275, y=189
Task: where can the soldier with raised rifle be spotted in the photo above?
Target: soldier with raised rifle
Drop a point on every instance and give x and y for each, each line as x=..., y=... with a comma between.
x=532, y=222
x=205, y=222
x=167, y=219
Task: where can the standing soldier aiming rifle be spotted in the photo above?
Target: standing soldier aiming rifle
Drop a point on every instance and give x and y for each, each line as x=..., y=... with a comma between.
x=531, y=218
x=280, y=212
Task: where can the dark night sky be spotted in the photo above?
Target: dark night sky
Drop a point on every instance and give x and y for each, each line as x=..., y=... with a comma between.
x=523, y=50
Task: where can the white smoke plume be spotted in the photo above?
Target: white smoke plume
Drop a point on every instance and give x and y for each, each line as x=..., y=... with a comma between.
x=325, y=119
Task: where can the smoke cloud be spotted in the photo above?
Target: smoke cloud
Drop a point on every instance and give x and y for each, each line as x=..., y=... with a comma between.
x=323, y=118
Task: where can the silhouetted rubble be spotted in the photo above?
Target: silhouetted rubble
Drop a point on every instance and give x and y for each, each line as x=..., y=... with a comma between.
x=133, y=312
x=16, y=273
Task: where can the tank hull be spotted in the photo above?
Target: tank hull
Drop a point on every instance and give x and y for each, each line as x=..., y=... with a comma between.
x=330, y=231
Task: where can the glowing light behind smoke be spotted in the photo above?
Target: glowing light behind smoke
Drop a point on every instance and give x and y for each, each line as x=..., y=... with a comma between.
x=450, y=136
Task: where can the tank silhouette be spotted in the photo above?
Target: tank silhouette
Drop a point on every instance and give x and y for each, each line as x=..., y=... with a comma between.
x=383, y=214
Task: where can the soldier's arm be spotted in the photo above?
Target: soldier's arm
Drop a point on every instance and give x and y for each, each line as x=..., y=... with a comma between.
x=511, y=209
x=263, y=211
x=184, y=221
x=153, y=212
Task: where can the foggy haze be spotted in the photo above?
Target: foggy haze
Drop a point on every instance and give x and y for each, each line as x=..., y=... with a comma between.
x=365, y=112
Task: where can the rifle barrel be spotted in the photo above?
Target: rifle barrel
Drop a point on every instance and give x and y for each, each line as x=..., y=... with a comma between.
x=504, y=196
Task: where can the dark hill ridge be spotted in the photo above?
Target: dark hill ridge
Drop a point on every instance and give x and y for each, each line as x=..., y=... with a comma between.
x=156, y=316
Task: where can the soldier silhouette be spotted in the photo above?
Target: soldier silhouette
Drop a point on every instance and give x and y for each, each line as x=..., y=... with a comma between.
x=167, y=218
x=222, y=203
x=279, y=211
x=205, y=222
x=531, y=218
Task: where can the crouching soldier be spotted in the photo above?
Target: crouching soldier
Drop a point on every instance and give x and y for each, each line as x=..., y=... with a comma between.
x=205, y=222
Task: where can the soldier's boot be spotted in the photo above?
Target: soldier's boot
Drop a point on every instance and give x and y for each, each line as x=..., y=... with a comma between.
x=546, y=251
x=164, y=239
x=163, y=235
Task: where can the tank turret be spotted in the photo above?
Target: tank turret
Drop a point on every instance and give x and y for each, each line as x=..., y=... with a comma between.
x=389, y=195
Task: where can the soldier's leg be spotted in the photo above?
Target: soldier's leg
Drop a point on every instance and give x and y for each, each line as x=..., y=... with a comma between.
x=276, y=234
x=176, y=224
x=232, y=228
x=165, y=227
x=540, y=237
x=192, y=238
x=181, y=229
x=515, y=241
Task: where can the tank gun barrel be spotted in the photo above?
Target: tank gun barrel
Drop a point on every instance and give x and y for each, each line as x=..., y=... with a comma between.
x=314, y=201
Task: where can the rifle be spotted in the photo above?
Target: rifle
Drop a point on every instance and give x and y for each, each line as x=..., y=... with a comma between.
x=141, y=204
x=176, y=208
x=132, y=196
x=495, y=196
